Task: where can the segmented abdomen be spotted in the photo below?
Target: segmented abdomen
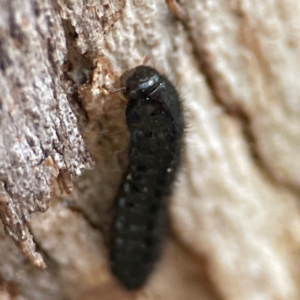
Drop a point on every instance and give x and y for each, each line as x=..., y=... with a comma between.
x=140, y=218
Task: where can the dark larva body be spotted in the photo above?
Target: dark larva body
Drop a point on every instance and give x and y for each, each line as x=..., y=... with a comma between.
x=155, y=122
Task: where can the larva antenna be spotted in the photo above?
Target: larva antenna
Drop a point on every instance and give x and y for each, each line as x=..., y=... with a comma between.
x=114, y=91
x=146, y=59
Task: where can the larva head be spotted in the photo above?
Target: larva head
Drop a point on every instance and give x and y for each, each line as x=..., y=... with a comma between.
x=140, y=81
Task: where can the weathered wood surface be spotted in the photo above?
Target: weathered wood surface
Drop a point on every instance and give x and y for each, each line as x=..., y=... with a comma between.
x=234, y=216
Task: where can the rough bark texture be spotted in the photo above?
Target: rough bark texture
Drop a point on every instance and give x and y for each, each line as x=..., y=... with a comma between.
x=235, y=219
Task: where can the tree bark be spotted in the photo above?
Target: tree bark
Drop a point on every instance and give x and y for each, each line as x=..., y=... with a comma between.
x=234, y=213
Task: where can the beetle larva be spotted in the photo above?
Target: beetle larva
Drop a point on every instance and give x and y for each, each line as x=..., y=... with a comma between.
x=155, y=121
